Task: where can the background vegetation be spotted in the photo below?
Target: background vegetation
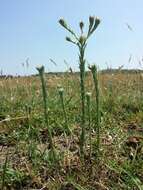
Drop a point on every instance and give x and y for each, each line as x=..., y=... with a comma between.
x=72, y=131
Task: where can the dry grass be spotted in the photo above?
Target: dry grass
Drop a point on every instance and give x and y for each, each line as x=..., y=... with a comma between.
x=24, y=137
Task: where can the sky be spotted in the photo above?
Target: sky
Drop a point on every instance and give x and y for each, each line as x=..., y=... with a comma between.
x=29, y=30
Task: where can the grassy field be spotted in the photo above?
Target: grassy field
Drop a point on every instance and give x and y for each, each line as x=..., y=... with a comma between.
x=26, y=158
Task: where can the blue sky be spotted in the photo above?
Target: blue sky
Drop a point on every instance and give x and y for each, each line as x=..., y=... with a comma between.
x=30, y=29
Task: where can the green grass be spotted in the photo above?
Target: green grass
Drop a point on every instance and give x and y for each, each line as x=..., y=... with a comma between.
x=24, y=135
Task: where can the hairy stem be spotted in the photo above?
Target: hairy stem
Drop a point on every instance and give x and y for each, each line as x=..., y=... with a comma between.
x=61, y=93
x=82, y=89
x=41, y=74
x=96, y=85
x=88, y=98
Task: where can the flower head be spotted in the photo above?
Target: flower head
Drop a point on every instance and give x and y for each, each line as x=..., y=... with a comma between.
x=97, y=22
x=82, y=39
x=91, y=21
x=63, y=23
x=92, y=67
x=61, y=91
x=93, y=24
x=81, y=25
x=88, y=94
x=40, y=69
x=68, y=39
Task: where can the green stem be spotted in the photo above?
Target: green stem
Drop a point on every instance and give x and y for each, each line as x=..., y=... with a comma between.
x=41, y=74
x=82, y=87
x=64, y=111
x=95, y=79
x=88, y=97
